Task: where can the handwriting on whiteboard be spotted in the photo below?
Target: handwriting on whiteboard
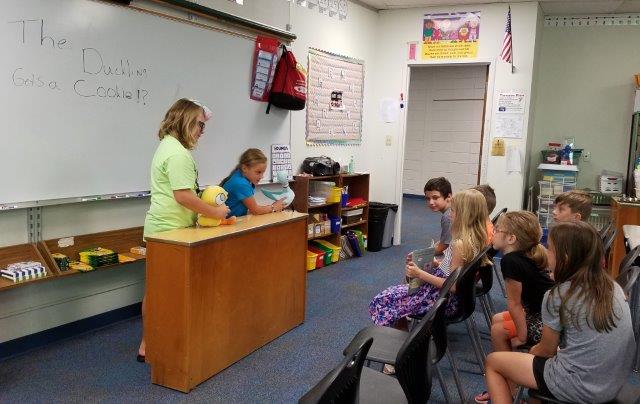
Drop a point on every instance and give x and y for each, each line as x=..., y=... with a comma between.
x=99, y=76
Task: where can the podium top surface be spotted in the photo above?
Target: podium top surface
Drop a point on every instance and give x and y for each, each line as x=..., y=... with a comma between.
x=192, y=236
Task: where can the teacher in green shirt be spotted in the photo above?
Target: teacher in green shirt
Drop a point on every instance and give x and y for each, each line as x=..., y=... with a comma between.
x=174, y=176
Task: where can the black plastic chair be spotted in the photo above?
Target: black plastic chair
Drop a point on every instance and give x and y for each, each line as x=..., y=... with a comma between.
x=607, y=244
x=465, y=291
x=483, y=287
x=492, y=253
x=409, y=352
x=495, y=218
x=627, y=262
x=628, y=394
x=604, y=231
x=341, y=385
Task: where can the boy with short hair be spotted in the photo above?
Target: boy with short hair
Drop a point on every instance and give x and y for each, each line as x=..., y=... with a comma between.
x=437, y=192
x=489, y=195
x=573, y=205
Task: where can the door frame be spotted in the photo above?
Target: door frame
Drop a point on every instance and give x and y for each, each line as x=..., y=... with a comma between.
x=484, y=134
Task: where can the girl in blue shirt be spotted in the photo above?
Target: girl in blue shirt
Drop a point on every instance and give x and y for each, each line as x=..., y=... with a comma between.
x=241, y=184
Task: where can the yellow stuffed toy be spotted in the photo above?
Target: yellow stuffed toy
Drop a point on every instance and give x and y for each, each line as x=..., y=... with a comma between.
x=214, y=196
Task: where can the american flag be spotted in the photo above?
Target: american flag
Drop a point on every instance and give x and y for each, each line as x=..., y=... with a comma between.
x=507, y=52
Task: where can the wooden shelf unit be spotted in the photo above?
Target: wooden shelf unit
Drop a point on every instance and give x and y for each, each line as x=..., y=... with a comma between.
x=358, y=188
x=119, y=241
x=19, y=253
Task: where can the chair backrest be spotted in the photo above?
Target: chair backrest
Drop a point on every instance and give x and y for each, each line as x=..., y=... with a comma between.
x=604, y=231
x=629, y=259
x=341, y=385
x=439, y=334
x=497, y=216
x=486, y=279
x=413, y=362
x=465, y=289
x=608, y=243
x=628, y=278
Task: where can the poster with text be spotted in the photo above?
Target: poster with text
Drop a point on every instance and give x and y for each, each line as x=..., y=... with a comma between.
x=450, y=35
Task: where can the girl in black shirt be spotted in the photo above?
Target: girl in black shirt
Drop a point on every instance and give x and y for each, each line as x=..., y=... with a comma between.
x=524, y=262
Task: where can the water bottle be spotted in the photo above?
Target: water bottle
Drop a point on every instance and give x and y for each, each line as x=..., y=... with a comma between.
x=351, y=165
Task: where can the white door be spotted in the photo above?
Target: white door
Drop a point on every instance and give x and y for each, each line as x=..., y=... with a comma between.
x=444, y=126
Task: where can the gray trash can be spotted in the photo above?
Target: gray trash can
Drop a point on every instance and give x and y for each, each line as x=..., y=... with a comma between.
x=389, y=226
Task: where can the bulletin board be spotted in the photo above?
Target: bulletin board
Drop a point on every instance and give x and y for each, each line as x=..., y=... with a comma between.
x=334, y=99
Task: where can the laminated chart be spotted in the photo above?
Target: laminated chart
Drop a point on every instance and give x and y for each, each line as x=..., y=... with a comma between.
x=334, y=99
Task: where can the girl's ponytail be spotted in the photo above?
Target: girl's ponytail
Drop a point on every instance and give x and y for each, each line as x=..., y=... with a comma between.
x=538, y=255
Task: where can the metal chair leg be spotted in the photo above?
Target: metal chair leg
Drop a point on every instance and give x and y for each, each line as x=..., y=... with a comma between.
x=519, y=395
x=472, y=330
x=492, y=308
x=443, y=386
x=500, y=280
x=456, y=376
x=486, y=311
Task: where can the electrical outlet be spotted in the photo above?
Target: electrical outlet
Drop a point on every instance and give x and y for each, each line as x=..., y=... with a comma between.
x=586, y=156
x=570, y=140
x=387, y=140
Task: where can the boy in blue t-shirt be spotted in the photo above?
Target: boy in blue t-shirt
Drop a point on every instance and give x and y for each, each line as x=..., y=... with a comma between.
x=437, y=192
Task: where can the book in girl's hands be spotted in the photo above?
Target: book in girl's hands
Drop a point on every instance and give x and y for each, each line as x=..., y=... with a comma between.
x=421, y=258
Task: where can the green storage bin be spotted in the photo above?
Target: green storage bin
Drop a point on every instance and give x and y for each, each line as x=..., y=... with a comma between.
x=327, y=250
x=328, y=253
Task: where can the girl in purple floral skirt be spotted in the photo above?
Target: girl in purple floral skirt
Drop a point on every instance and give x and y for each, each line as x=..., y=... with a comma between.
x=469, y=234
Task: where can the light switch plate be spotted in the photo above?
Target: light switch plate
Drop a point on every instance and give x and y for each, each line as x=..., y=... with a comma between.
x=388, y=140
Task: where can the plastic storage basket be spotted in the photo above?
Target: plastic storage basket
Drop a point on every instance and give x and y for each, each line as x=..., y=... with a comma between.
x=335, y=250
x=311, y=260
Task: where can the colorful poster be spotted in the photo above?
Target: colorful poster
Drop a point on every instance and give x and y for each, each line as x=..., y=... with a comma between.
x=450, y=35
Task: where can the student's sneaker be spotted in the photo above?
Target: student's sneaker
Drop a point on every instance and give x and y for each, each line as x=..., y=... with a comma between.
x=482, y=398
x=389, y=370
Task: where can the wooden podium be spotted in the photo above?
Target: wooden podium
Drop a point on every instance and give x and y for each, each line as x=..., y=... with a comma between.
x=214, y=295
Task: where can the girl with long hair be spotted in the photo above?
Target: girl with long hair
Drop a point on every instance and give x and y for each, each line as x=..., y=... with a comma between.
x=523, y=265
x=584, y=355
x=469, y=235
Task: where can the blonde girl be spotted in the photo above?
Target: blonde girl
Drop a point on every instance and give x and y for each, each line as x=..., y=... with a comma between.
x=469, y=234
x=585, y=313
x=241, y=184
x=174, y=200
x=524, y=262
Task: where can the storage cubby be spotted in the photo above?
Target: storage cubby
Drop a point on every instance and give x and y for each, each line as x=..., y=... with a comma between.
x=119, y=241
x=358, y=188
x=23, y=252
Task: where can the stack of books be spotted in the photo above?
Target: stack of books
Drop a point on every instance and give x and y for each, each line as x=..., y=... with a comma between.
x=23, y=271
x=97, y=257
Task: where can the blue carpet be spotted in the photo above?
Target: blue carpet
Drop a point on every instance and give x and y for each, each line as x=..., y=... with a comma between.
x=100, y=365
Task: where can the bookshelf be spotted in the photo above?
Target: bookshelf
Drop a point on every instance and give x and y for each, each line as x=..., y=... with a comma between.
x=358, y=188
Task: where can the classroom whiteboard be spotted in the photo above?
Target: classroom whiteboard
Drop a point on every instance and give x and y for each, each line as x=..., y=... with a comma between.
x=86, y=84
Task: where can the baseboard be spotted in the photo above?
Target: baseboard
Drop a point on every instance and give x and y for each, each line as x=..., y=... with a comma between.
x=412, y=196
x=29, y=342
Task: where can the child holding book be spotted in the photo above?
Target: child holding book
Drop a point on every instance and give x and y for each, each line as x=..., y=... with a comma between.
x=469, y=215
x=586, y=315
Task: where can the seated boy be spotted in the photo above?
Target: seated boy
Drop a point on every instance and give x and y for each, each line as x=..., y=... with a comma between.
x=489, y=196
x=572, y=206
x=437, y=192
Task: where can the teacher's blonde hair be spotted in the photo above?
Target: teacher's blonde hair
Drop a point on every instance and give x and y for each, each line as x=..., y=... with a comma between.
x=180, y=121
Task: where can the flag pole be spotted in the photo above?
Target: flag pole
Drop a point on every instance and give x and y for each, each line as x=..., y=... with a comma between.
x=513, y=69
